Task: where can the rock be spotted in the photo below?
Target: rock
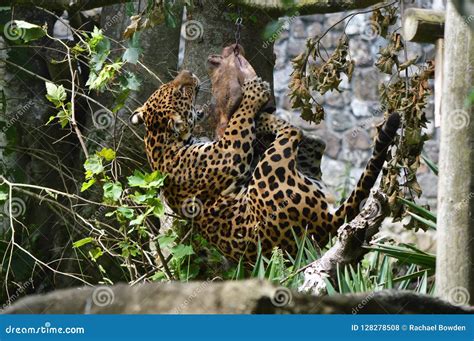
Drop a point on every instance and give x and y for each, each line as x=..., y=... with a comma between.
x=357, y=139
x=360, y=52
x=334, y=172
x=280, y=53
x=315, y=29
x=361, y=108
x=355, y=23
x=428, y=183
x=336, y=99
x=229, y=297
x=432, y=150
x=333, y=18
x=295, y=47
x=295, y=119
x=330, y=40
x=339, y=120
x=298, y=29
x=356, y=157
x=283, y=76
x=365, y=84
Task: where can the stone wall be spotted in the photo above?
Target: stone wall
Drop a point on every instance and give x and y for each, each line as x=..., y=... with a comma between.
x=351, y=116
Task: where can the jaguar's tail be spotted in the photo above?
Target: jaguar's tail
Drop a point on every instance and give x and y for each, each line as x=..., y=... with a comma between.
x=351, y=207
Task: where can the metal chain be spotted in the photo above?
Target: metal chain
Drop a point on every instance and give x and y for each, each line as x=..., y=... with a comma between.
x=238, y=28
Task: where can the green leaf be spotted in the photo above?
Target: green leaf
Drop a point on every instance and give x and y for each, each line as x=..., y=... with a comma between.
x=55, y=94
x=419, y=209
x=140, y=198
x=137, y=179
x=139, y=219
x=3, y=195
x=107, y=153
x=152, y=180
x=106, y=74
x=82, y=242
x=158, y=276
x=126, y=212
x=86, y=185
x=112, y=190
x=165, y=241
x=407, y=254
x=329, y=287
x=129, y=81
x=131, y=55
x=180, y=251
x=27, y=31
x=93, y=166
x=159, y=209
x=95, y=253
x=431, y=165
x=429, y=223
x=64, y=116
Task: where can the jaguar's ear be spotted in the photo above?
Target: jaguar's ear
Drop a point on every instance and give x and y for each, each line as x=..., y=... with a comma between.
x=137, y=116
x=179, y=88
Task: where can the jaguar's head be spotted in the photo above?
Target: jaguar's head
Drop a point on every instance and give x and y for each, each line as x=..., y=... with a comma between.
x=170, y=109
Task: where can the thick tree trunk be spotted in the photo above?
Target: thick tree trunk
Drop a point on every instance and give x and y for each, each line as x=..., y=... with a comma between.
x=455, y=255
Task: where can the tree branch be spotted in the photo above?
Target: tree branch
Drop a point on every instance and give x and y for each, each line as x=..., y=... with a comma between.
x=274, y=8
x=348, y=247
x=227, y=297
x=70, y=5
x=277, y=8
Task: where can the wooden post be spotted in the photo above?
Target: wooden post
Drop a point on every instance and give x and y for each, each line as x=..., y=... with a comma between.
x=455, y=236
x=423, y=25
x=427, y=26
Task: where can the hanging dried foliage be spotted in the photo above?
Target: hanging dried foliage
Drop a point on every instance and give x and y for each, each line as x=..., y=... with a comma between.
x=404, y=94
x=319, y=75
x=411, y=102
x=383, y=18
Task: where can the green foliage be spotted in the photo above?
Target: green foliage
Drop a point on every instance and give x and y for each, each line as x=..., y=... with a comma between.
x=407, y=254
x=22, y=30
x=130, y=206
x=57, y=95
x=377, y=272
x=133, y=51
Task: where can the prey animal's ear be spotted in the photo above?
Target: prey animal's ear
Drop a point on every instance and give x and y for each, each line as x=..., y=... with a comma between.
x=137, y=117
